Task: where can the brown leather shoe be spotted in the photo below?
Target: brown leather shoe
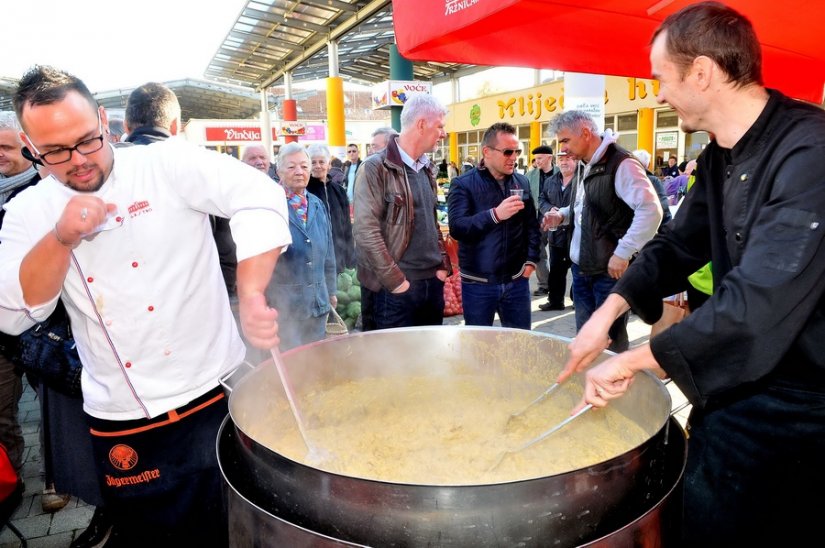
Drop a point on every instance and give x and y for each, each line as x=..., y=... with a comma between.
x=51, y=501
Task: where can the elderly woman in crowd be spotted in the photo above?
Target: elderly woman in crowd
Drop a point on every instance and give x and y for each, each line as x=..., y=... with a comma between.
x=335, y=200
x=303, y=286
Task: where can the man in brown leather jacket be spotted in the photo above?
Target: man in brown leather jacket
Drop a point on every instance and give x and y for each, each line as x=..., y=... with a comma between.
x=402, y=263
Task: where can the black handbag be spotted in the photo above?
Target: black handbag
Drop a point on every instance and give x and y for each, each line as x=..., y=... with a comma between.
x=48, y=351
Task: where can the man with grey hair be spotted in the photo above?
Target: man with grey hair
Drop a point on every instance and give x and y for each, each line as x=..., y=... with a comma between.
x=380, y=138
x=614, y=212
x=16, y=174
x=402, y=262
x=644, y=157
x=257, y=157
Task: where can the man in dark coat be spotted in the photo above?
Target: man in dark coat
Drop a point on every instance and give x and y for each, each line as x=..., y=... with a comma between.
x=750, y=359
x=493, y=219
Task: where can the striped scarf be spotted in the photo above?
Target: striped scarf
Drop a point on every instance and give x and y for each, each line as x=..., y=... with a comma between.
x=9, y=184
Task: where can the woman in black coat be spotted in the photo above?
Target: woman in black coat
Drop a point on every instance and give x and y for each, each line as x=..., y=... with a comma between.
x=335, y=200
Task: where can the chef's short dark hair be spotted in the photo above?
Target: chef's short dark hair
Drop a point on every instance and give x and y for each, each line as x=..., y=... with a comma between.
x=717, y=32
x=45, y=85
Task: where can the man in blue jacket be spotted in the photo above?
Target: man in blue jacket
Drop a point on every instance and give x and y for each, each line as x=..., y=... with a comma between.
x=493, y=218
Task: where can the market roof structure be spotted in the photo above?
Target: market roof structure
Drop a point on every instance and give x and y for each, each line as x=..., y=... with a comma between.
x=7, y=87
x=272, y=37
x=200, y=99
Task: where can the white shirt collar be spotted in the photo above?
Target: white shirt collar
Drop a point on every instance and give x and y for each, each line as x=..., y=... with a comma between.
x=415, y=165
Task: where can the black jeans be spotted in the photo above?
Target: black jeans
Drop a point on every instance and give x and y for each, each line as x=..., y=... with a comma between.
x=557, y=279
x=367, y=309
x=421, y=304
x=756, y=470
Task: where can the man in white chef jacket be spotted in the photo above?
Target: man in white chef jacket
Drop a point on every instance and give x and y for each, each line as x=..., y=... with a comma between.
x=122, y=236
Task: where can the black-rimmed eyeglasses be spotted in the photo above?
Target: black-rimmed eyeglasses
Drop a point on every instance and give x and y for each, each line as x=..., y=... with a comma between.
x=63, y=155
x=508, y=151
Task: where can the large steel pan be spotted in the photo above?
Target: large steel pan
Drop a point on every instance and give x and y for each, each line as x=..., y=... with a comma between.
x=564, y=510
x=657, y=524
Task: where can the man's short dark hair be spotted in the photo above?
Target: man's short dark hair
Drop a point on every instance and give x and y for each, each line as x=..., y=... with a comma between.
x=717, y=32
x=152, y=105
x=491, y=135
x=45, y=85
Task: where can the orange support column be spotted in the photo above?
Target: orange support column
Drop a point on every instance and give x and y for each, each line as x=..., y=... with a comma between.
x=337, y=137
x=454, y=148
x=535, y=137
x=290, y=115
x=645, y=133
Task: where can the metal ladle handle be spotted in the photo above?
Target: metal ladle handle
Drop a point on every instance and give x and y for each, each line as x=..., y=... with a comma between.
x=539, y=438
x=290, y=396
x=559, y=426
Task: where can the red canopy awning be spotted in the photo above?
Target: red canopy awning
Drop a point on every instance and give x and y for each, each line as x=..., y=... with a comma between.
x=601, y=36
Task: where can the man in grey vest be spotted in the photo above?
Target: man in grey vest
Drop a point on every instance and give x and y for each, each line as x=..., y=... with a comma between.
x=614, y=212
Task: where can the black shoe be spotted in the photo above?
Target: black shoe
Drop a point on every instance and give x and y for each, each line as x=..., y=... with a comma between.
x=549, y=306
x=97, y=533
x=539, y=292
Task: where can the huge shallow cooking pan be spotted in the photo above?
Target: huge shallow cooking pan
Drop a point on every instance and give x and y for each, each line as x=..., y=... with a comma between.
x=564, y=509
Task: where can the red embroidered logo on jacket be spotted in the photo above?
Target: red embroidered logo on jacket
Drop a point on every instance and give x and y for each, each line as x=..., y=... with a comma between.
x=139, y=208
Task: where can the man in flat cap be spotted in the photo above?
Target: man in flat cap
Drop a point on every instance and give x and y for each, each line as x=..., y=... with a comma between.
x=543, y=159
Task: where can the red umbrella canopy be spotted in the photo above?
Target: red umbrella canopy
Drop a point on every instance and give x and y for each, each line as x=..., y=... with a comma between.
x=602, y=36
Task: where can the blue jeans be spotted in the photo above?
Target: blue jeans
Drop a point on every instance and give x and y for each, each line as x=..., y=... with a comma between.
x=511, y=300
x=421, y=304
x=589, y=292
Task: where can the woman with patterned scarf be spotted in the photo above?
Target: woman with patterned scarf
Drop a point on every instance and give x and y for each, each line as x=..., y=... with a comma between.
x=303, y=286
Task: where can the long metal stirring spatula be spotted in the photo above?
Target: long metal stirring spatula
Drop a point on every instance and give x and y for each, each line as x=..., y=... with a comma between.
x=315, y=455
x=540, y=437
x=539, y=399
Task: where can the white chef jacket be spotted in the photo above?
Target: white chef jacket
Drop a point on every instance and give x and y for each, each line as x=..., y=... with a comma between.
x=147, y=302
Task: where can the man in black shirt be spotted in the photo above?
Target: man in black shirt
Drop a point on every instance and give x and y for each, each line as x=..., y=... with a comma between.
x=750, y=359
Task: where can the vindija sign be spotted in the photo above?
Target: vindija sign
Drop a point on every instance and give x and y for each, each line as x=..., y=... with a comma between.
x=234, y=134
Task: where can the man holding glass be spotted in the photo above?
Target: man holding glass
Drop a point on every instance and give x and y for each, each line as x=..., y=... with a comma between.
x=614, y=212
x=493, y=218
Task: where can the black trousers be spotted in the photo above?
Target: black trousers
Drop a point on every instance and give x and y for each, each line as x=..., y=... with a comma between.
x=557, y=278
x=160, y=476
x=756, y=470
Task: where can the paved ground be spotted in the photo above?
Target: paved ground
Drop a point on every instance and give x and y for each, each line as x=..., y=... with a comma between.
x=57, y=530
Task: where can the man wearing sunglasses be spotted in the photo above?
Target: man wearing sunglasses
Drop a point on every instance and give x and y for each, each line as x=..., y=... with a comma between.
x=351, y=168
x=145, y=298
x=492, y=216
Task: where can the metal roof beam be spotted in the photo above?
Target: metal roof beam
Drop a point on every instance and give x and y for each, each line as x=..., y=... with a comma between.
x=264, y=39
x=364, y=13
x=334, y=4
x=290, y=22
